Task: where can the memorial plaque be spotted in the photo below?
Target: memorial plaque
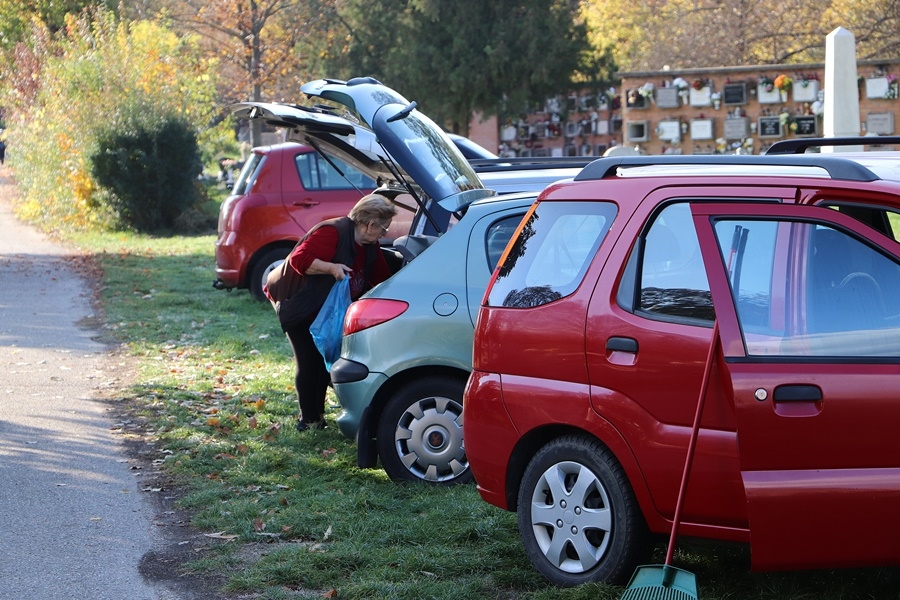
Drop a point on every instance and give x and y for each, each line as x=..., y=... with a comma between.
x=880, y=123
x=769, y=127
x=667, y=97
x=809, y=93
x=806, y=125
x=768, y=97
x=669, y=130
x=876, y=87
x=736, y=128
x=734, y=94
x=602, y=127
x=701, y=97
x=701, y=129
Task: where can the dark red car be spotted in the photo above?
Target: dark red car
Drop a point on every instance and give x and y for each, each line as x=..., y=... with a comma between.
x=282, y=191
x=592, y=340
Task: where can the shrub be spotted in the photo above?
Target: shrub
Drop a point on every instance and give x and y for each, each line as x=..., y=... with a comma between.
x=135, y=84
x=150, y=170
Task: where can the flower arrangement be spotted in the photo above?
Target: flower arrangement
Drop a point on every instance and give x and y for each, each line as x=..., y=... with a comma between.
x=787, y=121
x=682, y=86
x=783, y=82
x=804, y=78
x=700, y=83
x=766, y=83
x=892, y=90
x=647, y=90
x=716, y=99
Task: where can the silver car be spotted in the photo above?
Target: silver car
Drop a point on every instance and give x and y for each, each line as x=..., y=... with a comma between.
x=406, y=353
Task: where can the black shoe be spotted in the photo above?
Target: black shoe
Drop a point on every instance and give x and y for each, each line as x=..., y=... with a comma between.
x=304, y=425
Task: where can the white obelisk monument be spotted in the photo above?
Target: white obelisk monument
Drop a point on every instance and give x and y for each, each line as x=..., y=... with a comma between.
x=841, y=116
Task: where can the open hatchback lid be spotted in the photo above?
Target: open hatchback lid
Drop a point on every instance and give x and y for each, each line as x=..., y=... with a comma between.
x=331, y=135
x=415, y=142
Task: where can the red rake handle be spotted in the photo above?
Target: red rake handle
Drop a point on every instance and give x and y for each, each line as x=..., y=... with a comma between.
x=689, y=459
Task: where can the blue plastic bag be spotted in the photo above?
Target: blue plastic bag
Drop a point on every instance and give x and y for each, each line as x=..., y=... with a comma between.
x=328, y=325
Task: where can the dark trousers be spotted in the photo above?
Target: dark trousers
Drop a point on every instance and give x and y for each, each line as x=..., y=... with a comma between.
x=311, y=378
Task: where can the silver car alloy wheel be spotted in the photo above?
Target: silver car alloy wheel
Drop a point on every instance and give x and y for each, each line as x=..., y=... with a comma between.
x=429, y=439
x=570, y=517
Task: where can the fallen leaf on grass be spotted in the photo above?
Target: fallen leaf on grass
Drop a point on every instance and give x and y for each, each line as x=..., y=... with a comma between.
x=272, y=432
x=330, y=594
x=329, y=452
x=259, y=524
x=251, y=423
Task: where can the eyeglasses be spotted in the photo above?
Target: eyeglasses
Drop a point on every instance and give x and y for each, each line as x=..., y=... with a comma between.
x=383, y=228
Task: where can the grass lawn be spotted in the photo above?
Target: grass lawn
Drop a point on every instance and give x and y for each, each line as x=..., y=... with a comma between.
x=296, y=517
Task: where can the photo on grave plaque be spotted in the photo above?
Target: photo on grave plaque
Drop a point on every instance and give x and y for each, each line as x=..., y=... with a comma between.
x=806, y=125
x=769, y=127
x=734, y=94
x=634, y=99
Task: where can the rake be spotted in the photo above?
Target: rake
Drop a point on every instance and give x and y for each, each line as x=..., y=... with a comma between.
x=665, y=582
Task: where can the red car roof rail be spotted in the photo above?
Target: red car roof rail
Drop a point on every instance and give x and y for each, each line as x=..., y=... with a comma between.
x=836, y=168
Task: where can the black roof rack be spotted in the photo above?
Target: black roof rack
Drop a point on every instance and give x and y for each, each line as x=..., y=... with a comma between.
x=801, y=145
x=837, y=168
x=488, y=165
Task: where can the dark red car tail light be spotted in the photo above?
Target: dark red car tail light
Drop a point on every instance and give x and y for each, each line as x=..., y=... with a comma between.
x=369, y=312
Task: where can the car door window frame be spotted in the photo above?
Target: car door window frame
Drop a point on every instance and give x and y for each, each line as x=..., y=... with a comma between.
x=797, y=292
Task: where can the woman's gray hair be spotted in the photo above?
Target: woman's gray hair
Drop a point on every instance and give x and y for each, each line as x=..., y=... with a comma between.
x=372, y=208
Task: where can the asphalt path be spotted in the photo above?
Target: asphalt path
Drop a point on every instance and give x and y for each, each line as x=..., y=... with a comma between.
x=74, y=522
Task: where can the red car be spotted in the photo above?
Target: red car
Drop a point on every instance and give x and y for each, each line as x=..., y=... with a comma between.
x=591, y=345
x=282, y=191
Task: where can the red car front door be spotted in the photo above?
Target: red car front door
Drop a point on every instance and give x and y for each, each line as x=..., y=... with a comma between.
x=812, y=359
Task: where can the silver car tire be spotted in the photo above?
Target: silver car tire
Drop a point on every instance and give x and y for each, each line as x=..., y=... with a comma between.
x=578, y=518
x=420, y=435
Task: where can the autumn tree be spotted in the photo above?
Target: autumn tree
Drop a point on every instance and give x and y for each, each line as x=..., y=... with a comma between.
x=17, y=16
x=875, y=23
x=649, y=34
x=458, y=58
x=255, y=42
x=99, y=77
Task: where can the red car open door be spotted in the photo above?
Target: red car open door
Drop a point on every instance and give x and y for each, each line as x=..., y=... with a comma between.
x=808, y=303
